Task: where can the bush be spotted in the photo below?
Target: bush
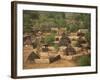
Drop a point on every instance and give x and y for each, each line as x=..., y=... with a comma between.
x=84, y=60
x=56, y=46
x=88, y=36
x=50, y=39
x=72, y=27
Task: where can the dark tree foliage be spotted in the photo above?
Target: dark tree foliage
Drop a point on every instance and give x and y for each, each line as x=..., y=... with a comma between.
x=78, y=21
x=70, y=51
x=43, y=21
x=65, y=40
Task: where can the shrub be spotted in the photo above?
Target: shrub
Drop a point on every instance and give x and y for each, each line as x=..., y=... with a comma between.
x=72, y=27
x=84, y=60
x=56, y=47
x=88, y=36
x=50, y=39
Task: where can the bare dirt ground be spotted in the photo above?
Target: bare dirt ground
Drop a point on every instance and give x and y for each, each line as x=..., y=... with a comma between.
x=59, y=63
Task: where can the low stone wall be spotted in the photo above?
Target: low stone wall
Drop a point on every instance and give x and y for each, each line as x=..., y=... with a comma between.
x=72, y=57
x=44, y=55
x=43, y=61
x=66, y=57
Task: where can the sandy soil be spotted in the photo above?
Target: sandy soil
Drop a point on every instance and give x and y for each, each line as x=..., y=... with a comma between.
x=59, y=63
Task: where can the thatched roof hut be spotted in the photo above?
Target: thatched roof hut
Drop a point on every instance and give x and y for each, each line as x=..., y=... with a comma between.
x=27, y=40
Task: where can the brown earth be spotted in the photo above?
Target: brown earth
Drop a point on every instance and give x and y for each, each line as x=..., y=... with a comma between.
x=59, y=63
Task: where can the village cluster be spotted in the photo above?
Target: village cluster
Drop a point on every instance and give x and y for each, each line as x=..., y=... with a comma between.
x=65, y=45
